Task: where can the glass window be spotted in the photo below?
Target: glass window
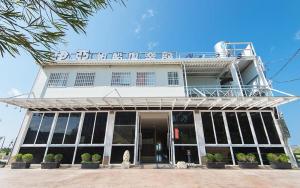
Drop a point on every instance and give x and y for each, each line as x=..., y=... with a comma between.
x=58, y=79
x=265, y=150
x=117, y=154
x=100, y=128
x=188, y=154
x=173, y=78
x=124, y=134
x=183, y=123
x=72, y=128
x=145, y=79
x=208, y=128
x=33, y=128
x=223, y=150
x=85, y=79
x=245, y=128
x=67, y=152
x=60, y=128
x=125, y=118
x=219, y=128
x=121, y=79
x=245, y=150
x=87, y=128
x=90, y=150
x=233, y=128
x=45, y=128
x=270, y=126
x=37, y=152
x=259, y=128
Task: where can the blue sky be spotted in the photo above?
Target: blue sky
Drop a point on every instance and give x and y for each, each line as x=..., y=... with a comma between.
x=195, y=25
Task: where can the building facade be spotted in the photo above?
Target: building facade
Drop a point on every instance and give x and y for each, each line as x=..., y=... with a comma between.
x=162, y=107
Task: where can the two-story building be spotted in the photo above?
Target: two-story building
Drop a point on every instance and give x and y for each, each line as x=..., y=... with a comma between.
x=162, y=107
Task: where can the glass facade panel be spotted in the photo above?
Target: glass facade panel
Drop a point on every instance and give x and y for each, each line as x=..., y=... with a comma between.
x=184, y=128
x=245, y=150
x=60, y=128
x=208, y=128
x=270, y=126
x=90, y=150
x=45, y=128
x=219, y=128
x=124, y=135
x=245, y=128
x=87, y=128
x=37, y=152
x=265, y=150
x=259, y=128
x=67, y=152
x=233, y=128
x=71, y=132
x=117, y=154
x=100, y=128
x=188, y=154
x=33, y=128
x=223, y=150
x=125, y=118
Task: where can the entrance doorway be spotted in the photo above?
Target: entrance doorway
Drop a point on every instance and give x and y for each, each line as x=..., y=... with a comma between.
x=154, y=141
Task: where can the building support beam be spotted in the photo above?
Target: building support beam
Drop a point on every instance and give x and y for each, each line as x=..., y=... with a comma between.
x=108, y=138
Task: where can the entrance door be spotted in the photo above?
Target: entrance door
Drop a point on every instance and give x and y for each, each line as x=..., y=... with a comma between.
x=154, y=145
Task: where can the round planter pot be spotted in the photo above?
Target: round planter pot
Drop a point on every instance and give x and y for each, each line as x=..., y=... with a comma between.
x=19, y=165
x=248, y=165
x=281, y=165
x=217, y=165
x=49, y=165
x=89, y=165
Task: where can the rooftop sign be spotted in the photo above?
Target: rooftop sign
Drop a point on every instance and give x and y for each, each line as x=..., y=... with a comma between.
x=85, y=55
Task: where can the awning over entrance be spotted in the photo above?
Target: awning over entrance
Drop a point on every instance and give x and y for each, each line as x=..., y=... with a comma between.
x=150, y=102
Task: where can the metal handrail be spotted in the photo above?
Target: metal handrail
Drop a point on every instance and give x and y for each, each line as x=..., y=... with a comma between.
x=228, y=91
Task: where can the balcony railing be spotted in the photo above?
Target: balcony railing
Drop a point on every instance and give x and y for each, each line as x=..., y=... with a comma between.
x=228, y=91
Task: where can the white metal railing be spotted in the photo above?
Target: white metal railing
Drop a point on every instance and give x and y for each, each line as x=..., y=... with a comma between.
x=228, y=91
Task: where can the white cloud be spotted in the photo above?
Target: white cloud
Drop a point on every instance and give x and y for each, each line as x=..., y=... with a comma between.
x=297, y=35
x=148, y=14
x=137, y=29
x=151, y=45
x=14, y=92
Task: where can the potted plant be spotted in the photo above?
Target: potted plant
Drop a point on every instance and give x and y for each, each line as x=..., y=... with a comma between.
x=247, y=161
x=279, y=161
x=51, y=161
x=22, y=161
x=58, y=158
x=215, y=160
x=90, y=162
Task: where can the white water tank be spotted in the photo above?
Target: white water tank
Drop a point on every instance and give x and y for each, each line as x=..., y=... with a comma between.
x=220, y=49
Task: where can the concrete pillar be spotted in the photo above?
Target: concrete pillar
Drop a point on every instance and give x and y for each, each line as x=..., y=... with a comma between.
x=199, y=136
x=236, y=82
x=21, y=135
x=108, y=137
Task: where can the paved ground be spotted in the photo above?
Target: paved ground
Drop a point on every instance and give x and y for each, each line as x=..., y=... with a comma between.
x=72, y=177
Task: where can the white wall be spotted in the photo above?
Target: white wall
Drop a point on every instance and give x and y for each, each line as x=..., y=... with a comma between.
x=249, y=73
x=102, y=85
x=202, y=81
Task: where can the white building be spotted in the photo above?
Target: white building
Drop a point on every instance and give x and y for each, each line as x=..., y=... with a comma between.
x=162, y=107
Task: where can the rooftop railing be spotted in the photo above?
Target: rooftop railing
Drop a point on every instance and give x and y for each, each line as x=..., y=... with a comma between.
x=228, y=91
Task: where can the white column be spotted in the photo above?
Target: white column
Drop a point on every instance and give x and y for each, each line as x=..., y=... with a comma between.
x=22, y=133
x=284, y=143
x=108, y=137
x=236, y=81
x=199, y=136
x=228, y=136
x=78, y=134
x=51, y=134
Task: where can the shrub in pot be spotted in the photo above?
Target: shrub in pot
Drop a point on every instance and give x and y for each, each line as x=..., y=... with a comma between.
x=58, y=158
x=279, y=161
x=49, y=162
x=247, y=161
x=22, y=161
x=90, y=162
x=215, y=160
